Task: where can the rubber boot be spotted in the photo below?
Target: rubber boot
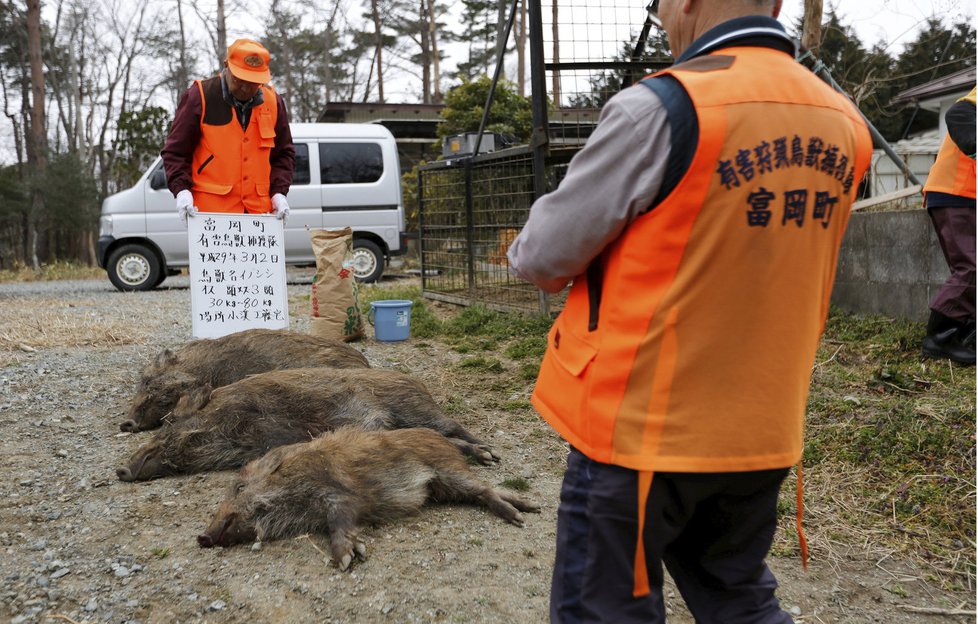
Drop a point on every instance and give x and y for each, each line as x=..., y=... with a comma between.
x=951, y=339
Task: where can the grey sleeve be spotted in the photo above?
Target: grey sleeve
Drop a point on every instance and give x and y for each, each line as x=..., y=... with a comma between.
x=610, y=182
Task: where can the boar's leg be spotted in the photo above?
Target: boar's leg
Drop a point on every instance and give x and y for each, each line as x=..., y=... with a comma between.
x=455, y=432
x=456, y=483
x=344, y=544
x=480, y=452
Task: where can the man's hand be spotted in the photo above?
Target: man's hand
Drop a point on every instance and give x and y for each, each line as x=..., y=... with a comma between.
x=280, y=207
x=185, y=205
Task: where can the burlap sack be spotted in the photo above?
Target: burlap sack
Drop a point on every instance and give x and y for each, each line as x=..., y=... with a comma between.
x=335, y=306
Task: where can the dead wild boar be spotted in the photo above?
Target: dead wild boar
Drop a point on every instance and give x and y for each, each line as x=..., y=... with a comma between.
x=221, y=361
x=348, y=478
x=230, y=426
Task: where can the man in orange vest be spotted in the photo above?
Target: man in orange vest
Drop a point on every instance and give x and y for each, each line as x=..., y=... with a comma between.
x=230, y=148
x=700, y=225
x=950, y=197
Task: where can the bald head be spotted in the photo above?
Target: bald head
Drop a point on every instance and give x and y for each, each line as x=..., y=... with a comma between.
x=685, y=20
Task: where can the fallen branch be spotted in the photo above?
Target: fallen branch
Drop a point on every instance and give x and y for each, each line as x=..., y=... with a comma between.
x=935, y=610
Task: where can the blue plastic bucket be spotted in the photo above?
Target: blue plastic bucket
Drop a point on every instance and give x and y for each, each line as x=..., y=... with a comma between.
x=391, y=319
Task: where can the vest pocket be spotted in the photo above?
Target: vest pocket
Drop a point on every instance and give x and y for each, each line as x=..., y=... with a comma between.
x=262, y=189
x=572, y=353
x=200, y=169
x=210, y=187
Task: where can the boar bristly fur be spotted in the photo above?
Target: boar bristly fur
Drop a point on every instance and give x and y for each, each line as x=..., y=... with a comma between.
x=230, y=426
x=222, y=361
x=346, y=479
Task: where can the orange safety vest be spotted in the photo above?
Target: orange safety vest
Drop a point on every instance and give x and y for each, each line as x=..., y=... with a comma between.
x=953, y=171
x=713, y=302
x=231, y=167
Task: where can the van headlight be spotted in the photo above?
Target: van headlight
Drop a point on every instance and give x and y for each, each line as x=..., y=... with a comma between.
x=105, y=225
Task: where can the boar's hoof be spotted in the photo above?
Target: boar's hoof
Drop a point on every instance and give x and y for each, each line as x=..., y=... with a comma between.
x=345, y=562
x=130, y=426
x=124, y=474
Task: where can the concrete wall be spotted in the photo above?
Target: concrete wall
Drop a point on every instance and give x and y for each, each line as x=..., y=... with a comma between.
x=890, y=263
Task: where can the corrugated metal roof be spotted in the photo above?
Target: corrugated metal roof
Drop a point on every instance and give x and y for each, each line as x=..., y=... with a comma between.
x=961, y=80
x=925, y=143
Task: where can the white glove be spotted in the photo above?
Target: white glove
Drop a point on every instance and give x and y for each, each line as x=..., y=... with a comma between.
x=280, y=206
x=185, y=205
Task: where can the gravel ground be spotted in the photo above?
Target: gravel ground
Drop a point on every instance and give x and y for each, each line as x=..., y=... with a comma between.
x=80, y=546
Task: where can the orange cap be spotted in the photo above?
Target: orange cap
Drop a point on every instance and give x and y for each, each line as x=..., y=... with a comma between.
x=248, y=60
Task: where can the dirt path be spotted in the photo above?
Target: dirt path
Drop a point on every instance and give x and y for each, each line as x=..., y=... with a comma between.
x=79, y=545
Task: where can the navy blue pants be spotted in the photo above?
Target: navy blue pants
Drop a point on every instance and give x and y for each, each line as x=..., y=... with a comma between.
x=711, y=530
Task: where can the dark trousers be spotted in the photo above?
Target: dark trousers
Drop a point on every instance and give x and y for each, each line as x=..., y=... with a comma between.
x=712, y=532
x=955, y=227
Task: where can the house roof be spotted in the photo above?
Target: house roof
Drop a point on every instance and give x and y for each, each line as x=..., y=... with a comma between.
x=930, y=94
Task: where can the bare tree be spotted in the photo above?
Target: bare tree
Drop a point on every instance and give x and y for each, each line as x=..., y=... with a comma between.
x=811, y=32
x=436, y=95
x=521, y=50
x=222, y=34
x=38, y=145
x=556, y=58
x=379, y=54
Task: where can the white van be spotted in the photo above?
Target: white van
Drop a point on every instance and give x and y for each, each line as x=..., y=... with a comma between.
x=346, y=175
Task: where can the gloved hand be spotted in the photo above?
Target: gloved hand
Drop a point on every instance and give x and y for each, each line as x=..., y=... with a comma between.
x=185, y=205
x=280, y=207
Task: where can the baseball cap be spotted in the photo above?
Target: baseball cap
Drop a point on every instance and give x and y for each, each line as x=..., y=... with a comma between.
x=248, y=60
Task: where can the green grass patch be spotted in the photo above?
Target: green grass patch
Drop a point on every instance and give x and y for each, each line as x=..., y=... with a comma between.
x=527, y=347
x=516, y=483
x=893, y=434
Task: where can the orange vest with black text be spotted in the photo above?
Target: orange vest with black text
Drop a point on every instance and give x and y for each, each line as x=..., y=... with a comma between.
x=953, y=171
x=231, y=167
x=713, y=302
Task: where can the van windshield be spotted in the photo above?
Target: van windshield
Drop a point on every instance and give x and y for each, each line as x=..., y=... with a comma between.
x=350, y=163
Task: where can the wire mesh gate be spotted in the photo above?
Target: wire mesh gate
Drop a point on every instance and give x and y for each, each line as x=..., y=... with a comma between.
x=472, y=208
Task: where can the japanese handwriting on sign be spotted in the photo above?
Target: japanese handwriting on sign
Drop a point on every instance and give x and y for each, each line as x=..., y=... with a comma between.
x=237, y=273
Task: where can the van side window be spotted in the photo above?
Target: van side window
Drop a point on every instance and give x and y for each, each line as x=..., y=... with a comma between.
x=157, y=179
x=345, y=163
x=301, y=173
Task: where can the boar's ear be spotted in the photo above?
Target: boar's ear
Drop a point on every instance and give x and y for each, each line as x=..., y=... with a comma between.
x=198, y=397
x=165, y=358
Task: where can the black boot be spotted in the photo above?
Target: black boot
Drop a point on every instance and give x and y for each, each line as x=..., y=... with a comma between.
x=949, y=338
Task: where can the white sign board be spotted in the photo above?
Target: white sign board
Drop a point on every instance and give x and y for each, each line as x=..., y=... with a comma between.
x=237, y=273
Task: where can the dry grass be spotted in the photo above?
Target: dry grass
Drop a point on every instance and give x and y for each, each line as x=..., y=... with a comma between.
x=36, y=323
x=53, y=271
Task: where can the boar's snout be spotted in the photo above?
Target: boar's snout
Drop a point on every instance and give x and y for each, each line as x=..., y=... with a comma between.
x=130, y=426
x=205, y=540
x=146, y=463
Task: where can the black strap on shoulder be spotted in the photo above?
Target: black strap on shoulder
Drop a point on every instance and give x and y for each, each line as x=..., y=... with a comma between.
x=684, y=131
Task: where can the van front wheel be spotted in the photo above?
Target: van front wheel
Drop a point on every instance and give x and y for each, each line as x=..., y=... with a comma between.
x=133, y=267
x=368, y=260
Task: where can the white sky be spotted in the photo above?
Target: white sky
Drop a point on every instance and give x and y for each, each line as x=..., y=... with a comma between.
x=893, y=21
